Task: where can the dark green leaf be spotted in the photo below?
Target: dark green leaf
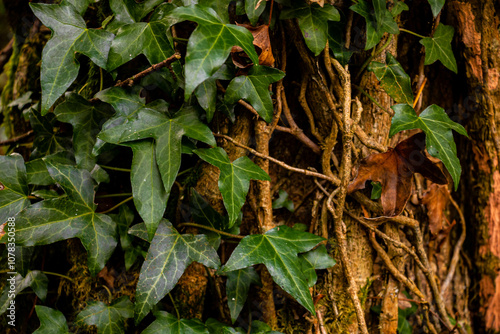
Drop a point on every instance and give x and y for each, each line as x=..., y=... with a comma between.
x=167, y=133
x=130, y=11
x=253, y=9
x=107, y=319
x=254, y=88
x=23, y=258
x=45, y=193
x=169, y=255
x=375, y=29
x=315, y=259
x=237, y=286
x=336, y=42
x=70, y=36
x=398, y=8
x=206, y=92
x=393, y=79
x=123, y=221
x=37, y=173
x=14, y=186
x=404, y=326
x=70, y=216
x=234, y=179
x=147, y=38
x=436, y=6
x=167, y=323
x=437, y=127
x=283, y=201
x=47, y=141
x=21, y=101
x=313, y=22
x=86, y=119
x=277, y=249
x=80, y=5
x=438, y=47
x=210, y=44
x=35, y=280
x=51, y=321
x=150, y=198
x=216, y=327
x=259, y=327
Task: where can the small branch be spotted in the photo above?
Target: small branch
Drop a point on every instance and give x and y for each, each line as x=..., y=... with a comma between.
x=456, y=250
x=212, y=229
x=117, y=205
x=140, y=75
x=419, y=92
x=305, y=106
x=17, y=139
x=333, y=179
x=394, y=271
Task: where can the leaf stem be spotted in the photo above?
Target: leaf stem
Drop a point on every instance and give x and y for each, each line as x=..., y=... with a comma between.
x=16, y=139
x=179, y=39
x=419, y=93
x=411, y=32
x=114, y=195
x=116, y=168
x=212, y=229
x=175, y=307
x=46, y=273
x=117, y=205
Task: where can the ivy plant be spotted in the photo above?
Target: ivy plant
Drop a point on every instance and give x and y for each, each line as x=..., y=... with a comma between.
x=157, y=127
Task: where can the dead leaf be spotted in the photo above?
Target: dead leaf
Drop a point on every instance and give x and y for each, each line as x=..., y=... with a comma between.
x=436, y=199
x=108, y=276
x=262, y=45
x=394, y=170
x=319, y=2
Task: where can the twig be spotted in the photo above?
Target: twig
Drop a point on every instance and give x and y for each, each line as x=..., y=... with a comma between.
x=333, y=179
x=419, y=92
x=345, y=171
x=456, y=250
x=16, y=139
x=305, y=106
x=154, y=67
x=295, y=130
x=126, y=170
x=212, y=229
x=394, y=271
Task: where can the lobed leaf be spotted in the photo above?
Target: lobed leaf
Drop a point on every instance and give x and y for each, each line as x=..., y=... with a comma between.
x=51, y=321
x=109, y=319
x=167, y=323
x=237, y=287
x=277, y=249
x=170, y=253
x=438, y=47
x=13, y=186
x=36, y=280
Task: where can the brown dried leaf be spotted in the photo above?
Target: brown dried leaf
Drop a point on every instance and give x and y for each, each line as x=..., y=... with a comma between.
x=394, y=170
x=262, y=45
x=436, y=199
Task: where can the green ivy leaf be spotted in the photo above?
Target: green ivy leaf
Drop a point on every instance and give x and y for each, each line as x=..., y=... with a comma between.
x=14, y=186
x=336, y=42
x=259, y=327
x=398, y=8
x=254, y=88
x=37, y=173
x=437, y=127
x=167, y=133
x=147, y=38
x=204, y=214
x=206, y=92
x=376, y=190
x=318, y=258
x=283, y=201
x=313, y=22
x=45, y=193
x=216, y=327
x=376, y=25
x=130, y=11
x=436, y=6
x=35, y=280
x=438, y=47
x=234, y=179
x=237, y=286
x=70, y=216
x=86, y=119
x=253, y=9
x=210, y=44
x=170, y=253
x=23, y=259
x=51, y=321
x=150, y=198
x=47, y=141
x=277, y=249
x=167, y=323
x=393, y=79
x=70, y=36
x=107, y=319
x=123, y=220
